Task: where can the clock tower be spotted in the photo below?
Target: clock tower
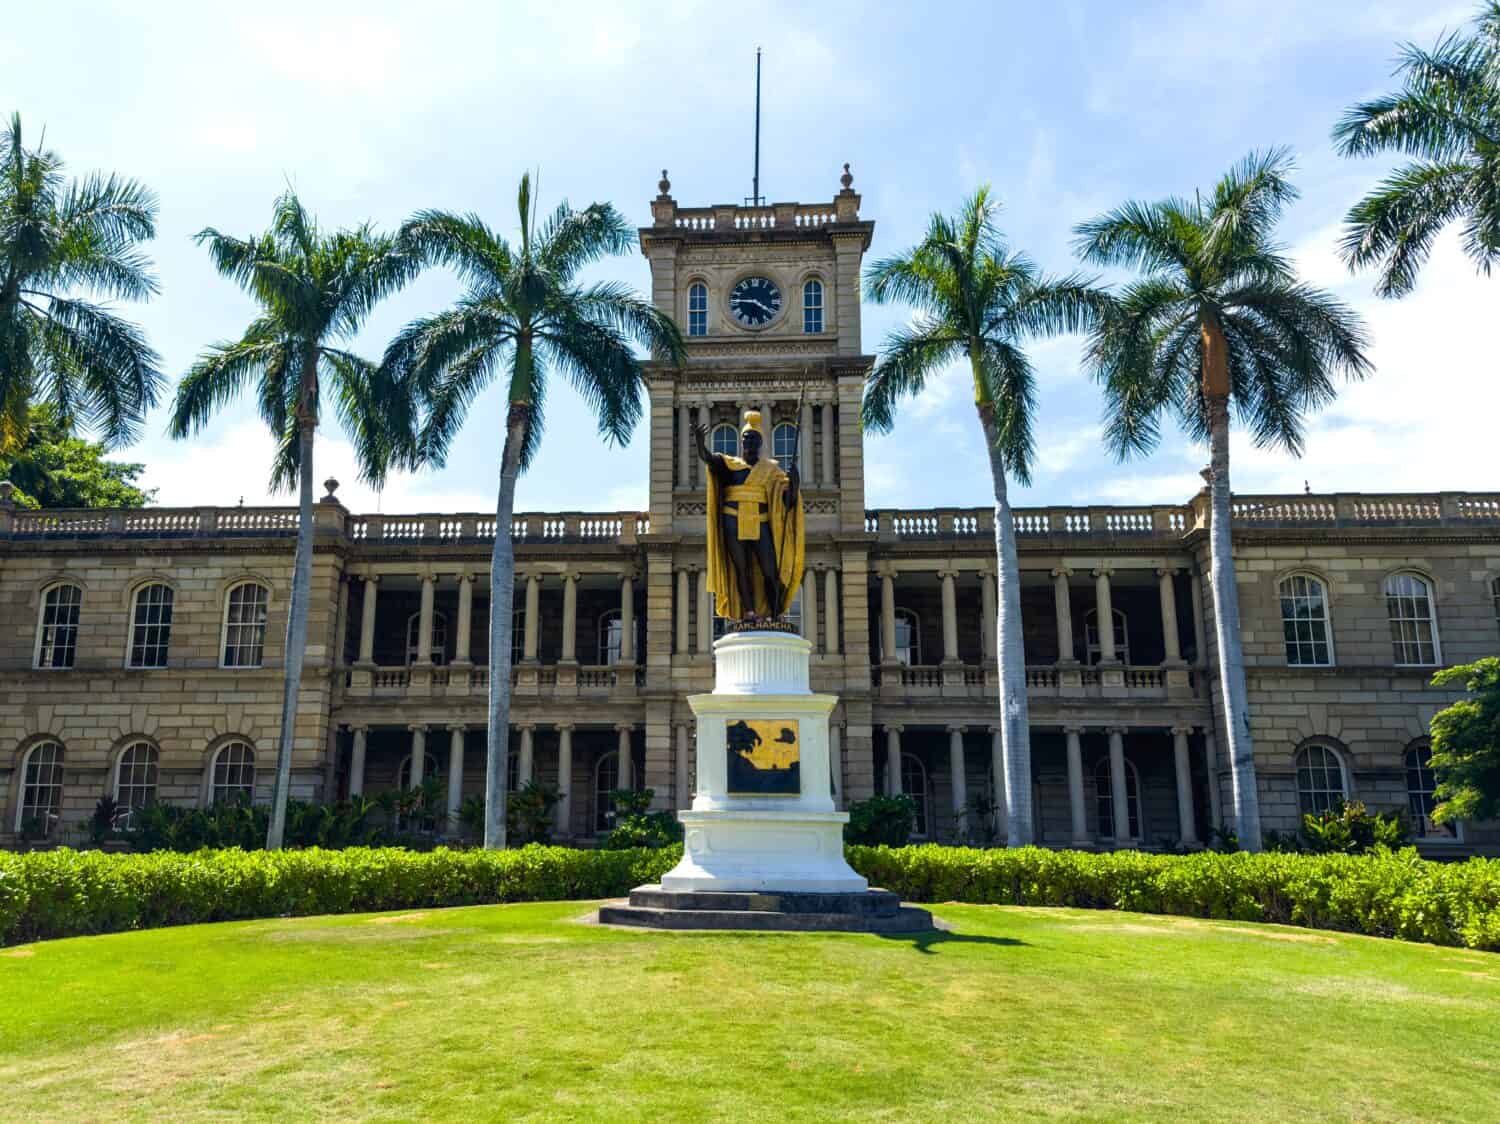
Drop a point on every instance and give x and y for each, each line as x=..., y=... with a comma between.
x=767, y=298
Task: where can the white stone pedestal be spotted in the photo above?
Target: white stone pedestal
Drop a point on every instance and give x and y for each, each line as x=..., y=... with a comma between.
x=763, y=843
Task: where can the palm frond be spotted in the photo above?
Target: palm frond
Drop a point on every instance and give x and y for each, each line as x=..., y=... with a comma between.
x=118, y=375
x=571, y=239
x=220, y=375
x=1396, y=224
x=909, y=357
x=1011, y=384
x=462, y=243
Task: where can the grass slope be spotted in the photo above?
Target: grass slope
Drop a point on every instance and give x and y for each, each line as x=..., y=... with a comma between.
x=521, y=1012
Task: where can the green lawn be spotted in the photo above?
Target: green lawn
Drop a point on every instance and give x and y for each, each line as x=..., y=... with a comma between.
x=523, y=1012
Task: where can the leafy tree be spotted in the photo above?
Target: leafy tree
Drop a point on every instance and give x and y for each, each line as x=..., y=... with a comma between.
x=977, y=302
x=1447, y=116
x=314, y=290
x=61, y=242
x=1466, y=744
x=53, y=467
x=1218, y=319
x=522, y=317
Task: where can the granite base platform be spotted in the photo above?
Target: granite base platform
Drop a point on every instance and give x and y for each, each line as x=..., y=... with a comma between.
x=868, y=911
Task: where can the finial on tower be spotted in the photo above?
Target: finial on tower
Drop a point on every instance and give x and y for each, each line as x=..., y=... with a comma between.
x=847, y=179
x=663, y=185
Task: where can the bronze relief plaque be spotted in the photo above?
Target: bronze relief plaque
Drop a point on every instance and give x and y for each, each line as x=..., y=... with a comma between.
x=765, y=757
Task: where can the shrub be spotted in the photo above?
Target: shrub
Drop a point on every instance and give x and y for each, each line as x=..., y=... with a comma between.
x=636, y=827
x=881, y=820
x=1351, y=829
x=1383, y=893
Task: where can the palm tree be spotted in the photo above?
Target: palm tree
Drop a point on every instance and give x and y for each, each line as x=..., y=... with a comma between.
x=314, y=290
x=59, y=238
x=1447, y=115
x=1218, y=318
x=523, y=316
x=977, y=301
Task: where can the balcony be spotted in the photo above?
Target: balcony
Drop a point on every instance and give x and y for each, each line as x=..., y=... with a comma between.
x=1055, y=681
x=560, y=681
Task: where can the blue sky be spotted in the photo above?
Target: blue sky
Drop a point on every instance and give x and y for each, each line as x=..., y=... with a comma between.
x=375, y=110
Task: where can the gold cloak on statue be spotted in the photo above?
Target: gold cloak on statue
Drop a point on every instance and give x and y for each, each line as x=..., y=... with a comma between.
x=761, y=496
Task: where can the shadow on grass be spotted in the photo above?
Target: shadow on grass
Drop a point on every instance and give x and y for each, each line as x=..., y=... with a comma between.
x=928, y=940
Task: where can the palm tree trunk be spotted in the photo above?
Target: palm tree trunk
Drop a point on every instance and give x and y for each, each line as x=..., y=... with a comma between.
x=296, y=634
x=1010, y=652
x=502, y=602
x=1227, y=633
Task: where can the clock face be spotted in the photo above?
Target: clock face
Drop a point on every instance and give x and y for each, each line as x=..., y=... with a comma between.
x=755, y=301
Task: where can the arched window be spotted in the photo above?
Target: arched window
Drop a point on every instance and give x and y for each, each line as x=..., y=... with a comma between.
x=1408, y=604
x=908, y=638
x=57, y=628
x=1104, y=798
x=1091, y=636
x=41, y=788
x=439, y=637
x=430, y=768
x=606, y=780
x=1304, y=621
x=232, y=775
x=914, y=784
x=1420, y=785
x=135, y=776
x=724, y=440
x=697, y=309
x=784, y=443
x=245, y=625
x=151, y=625
x=812, y=306
x=1321, y=785
x=611, y=635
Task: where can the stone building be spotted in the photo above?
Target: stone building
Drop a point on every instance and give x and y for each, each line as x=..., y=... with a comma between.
x=141, y=651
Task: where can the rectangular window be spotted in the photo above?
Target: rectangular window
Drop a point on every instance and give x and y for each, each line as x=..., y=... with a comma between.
x=245, y=626
x=698, y=310
x=812, y=306
x=57, y=639
x=151, y=627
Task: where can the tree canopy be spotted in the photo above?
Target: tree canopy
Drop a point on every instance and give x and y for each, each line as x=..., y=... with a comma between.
x=54, y=467
x=1466, y=744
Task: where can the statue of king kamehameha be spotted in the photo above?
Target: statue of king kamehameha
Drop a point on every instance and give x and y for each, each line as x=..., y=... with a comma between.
x=755, y=528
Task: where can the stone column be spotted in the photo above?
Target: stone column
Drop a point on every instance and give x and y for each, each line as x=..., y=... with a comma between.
x=424, y=622
x=950, y=615
x=683, y=785
x=455, y=775
x=810, y=607
x=893, y=760
x=1199, y=639
x=831, y=611
x=564, y=779
x=684, y=611
x=418, y=755
x=1168, y=594
x=987, y=609
x=570, y=618
x=836, y=762
x=705, y=419
x=1104, y=615
x=1187, y=827
x=805, y=444
x=1211, y=765
x=1063, y=606
x=830, y=451
x=341, y=625
x=525, y=762
x=367, y=621
x=533, y=604
x=1080, y=833
x=997, y=776
x=465, y=619
x=627, y=618
x=1119, y=792
x=888, y=616
x=705, y=614
x=357, y=762
x=958, y=781
x=627, y=760
x=684, y=448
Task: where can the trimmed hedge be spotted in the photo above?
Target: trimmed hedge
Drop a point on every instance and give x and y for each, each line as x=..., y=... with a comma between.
x=1382, y=893
x=1387, y=894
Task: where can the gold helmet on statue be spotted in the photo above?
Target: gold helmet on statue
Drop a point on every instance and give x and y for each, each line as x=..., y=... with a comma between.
x=752, y=421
